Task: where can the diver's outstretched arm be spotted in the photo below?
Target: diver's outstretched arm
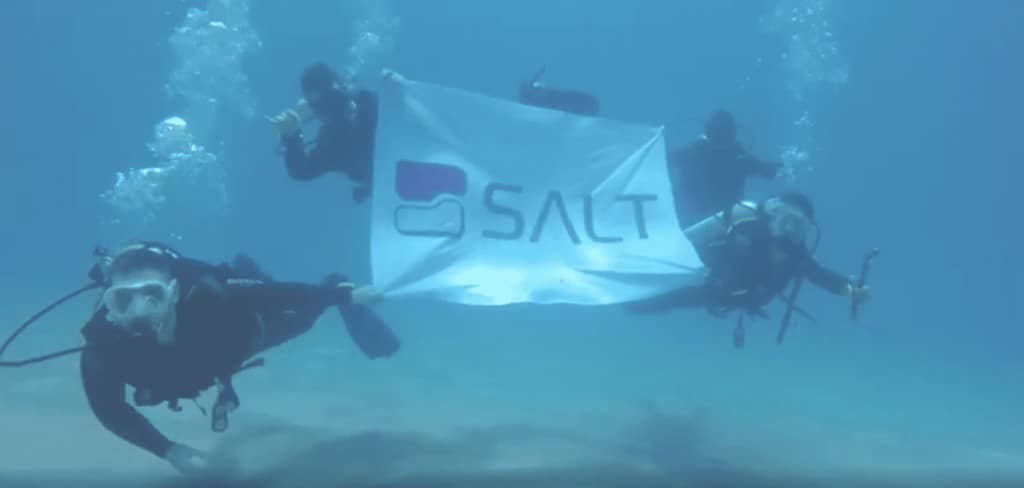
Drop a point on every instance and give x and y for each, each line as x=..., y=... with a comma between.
x=759, y=167
x=827, y=279
x=106, y=399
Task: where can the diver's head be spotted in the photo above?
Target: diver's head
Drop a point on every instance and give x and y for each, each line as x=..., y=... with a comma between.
x=143, y=292
x=325, y=92
x=720, y=127
x=790, y=217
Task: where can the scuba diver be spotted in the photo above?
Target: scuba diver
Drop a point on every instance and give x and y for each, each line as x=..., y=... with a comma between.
x=709, y=174
x=173, y=327
x=345, y=142
x=751, y=257
x=536, y=93
x=348, y=117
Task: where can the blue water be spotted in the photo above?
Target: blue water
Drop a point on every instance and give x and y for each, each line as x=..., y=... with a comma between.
x=915, y=116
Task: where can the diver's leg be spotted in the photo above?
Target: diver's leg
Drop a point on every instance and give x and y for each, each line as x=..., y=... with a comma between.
x=288, y=310
x=278, y=313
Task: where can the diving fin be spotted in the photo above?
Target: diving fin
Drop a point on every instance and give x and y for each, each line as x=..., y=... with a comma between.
x=370, y=334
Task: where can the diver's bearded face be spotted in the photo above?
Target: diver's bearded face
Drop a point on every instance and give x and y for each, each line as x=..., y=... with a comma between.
x=141, y=301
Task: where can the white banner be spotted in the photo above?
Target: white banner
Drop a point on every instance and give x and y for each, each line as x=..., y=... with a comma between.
x=485, y=201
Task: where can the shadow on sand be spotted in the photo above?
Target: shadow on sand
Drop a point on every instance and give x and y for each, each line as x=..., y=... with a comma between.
x=661, y=451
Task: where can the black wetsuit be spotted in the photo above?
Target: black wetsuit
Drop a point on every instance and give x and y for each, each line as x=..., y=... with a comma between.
x=746, y=273
x=345, y=146
x=220, y=323
x=709, y=178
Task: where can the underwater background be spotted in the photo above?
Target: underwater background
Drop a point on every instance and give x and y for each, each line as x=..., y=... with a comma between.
x=903, y=117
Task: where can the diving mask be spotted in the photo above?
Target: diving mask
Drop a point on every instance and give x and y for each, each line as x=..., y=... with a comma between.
x=138, y=303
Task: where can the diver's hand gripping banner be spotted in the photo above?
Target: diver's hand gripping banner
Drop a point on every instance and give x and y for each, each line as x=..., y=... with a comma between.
x=484, y=201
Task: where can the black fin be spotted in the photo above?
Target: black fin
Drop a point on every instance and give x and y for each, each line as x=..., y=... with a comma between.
x=369, y=333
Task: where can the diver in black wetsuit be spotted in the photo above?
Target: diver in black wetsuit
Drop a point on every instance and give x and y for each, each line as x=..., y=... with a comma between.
x=348, y=115
x=709, y=174
x=751, y=256
x=346, y=139
x=172, y=327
